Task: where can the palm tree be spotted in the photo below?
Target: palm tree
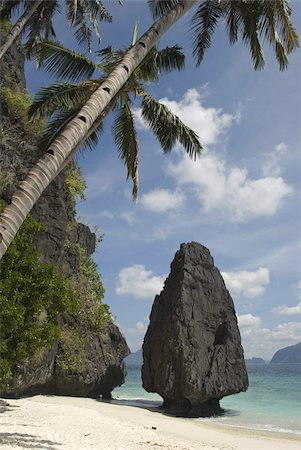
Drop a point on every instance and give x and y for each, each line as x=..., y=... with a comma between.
x=61, y=102
x=38, y=15
x=266, y=22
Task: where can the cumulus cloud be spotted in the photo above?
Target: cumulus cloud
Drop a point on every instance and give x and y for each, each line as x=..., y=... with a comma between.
x=129, y=217
x=139, y=328
x=248, y=320
x=139, y=282
x=229, y=189
x=208, y=123
x=272, y=164
x=162, y=200
x=288, y=310
x=245, y=283
x=259, y=341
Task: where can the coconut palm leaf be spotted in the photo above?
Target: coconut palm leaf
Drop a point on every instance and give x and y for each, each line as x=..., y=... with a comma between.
x=78, y=11
x=59, y=122
x=40, y=25
x=125, y=137
x=160, y=7
x=203, y=24
x=168, y=128
x=8, y=8
x=170, y=58
x=61, y=95
x=64, y=63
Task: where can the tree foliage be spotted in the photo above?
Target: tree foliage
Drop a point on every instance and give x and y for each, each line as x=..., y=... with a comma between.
x=32, y=294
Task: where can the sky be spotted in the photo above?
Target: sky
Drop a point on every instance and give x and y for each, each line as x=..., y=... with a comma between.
x=240, y=199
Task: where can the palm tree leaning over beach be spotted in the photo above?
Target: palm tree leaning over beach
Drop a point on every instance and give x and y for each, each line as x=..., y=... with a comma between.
x=62, y=101
x=251, y=20
x=38, y=15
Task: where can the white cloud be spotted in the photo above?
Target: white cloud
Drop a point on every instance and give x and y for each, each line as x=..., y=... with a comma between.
x=288, y=310
x=208, y=123
x=229, y=190
x=162, y=200
x=128, y=216
x=259, y=341
x=272, y=165
x=139, y=282
x=248, y=320
x=245, y=283
x=139, y=328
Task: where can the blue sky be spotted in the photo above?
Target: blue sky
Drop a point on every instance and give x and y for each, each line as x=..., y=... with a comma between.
x=241, y=198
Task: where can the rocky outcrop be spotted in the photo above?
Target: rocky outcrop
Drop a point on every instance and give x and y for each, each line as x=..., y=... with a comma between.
x=95, y=366
x=192, y=352
x=288, y=355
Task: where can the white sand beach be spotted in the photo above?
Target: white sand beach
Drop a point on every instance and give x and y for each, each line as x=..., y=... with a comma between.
x=67, y=423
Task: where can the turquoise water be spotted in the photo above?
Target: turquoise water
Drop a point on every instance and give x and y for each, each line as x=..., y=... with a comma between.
x=272, y=402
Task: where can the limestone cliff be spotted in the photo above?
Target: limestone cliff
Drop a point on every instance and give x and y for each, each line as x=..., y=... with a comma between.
x=88, y=358
x=192, y=353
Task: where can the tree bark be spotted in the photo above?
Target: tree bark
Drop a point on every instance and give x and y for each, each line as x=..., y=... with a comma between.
x=48, y=167
x=18, y=27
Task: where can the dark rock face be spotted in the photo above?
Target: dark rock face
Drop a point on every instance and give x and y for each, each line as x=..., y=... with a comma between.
x=192, y=353
x=288, y=355
x=102, y=368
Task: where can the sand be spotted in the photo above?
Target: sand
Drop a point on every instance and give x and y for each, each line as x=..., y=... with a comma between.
x=68, y=423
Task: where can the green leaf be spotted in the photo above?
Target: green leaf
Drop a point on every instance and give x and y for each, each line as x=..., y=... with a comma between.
x=61, y=95
x=64, y=63
x=125, y=137
x=203, y=24
x=168, y=128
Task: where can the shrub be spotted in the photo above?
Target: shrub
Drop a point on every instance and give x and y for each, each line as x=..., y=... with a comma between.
x=32, y=294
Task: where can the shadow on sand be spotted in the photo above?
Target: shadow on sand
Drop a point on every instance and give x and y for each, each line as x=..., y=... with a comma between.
x=23, y=440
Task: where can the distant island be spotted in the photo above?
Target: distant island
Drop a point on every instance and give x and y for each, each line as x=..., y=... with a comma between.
x=255, y=362
x=288, y=355
x=134, y=359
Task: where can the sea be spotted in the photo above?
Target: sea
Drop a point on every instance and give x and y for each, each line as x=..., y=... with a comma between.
x=271, y=403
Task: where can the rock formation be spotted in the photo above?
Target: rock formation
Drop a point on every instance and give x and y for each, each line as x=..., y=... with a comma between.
x=288, y=355
x=192, y=353
x=97, y=367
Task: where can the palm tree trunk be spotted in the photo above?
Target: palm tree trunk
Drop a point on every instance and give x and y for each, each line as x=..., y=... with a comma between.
x=18, y=27
x=52, y=162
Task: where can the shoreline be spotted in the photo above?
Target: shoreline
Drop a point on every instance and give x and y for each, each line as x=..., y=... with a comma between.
x=70, y=423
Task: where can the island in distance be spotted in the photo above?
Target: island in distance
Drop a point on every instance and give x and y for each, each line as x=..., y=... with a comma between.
x=285, y=355
x=288, y=355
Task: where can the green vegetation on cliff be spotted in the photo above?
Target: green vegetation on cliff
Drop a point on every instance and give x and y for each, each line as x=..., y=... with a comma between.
x=17, y=104
x=32, y=294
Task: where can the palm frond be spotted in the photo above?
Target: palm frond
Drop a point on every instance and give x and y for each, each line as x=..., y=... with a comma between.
x=61, y=96
x=55, y=126
x=63, y=62
x=170, y=58
x=125, y=137
x=160, y=7
x=168, y=127
x=8, y=7
x=95, y=11
x=288, y=32
x=203, y=24
x=148, y=70
x=251, y=13
x=40, y=25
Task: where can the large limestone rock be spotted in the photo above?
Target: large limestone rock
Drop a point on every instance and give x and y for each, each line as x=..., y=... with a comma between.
x=99, y=367
x=192, y=350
